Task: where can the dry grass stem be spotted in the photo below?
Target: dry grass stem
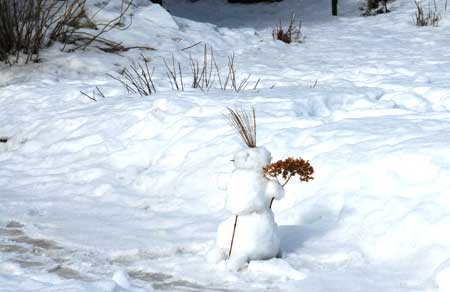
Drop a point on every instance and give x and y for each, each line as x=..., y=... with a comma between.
x=174, y=74
x=244, y=123
x=95, y=94
x=430, y=18
x=202, y=71
x=293, y=33
x=137, y=78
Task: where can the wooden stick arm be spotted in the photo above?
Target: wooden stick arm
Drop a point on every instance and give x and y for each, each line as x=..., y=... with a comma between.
x=274, y=190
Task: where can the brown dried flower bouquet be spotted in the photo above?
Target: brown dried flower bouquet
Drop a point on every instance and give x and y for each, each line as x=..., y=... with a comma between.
x=288, y=168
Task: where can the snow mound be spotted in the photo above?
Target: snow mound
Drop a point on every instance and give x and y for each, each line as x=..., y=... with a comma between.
x=275, y=268
x=442, y=277
x=147, y=25
x=155, y=16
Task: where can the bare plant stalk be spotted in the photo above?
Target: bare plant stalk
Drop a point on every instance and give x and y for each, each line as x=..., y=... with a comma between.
x=191, y=46
x=26, y=26
x=271, y=202
x=425, y=19
x=137, y=78
x=232, y=237
x=204, y=72
x=256, y=84
x=175, y=78
x=291, y=34
x=232, y=79
x=202, y=75
x=88, y=39
x=213, y=59
x=244, y=123
x=95, y=93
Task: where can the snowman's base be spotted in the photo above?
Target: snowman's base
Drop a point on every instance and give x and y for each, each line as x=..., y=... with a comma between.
x=234, y=263
x=216, y=255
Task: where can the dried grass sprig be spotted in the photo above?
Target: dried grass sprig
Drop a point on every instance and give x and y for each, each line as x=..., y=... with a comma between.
x=137, y=78
x=244, y=123
x=293, y=32
x=430, y=18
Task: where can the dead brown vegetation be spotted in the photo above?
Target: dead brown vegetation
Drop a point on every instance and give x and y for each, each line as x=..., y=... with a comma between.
x=293, y=32
x=288, y=168
x=244, y=123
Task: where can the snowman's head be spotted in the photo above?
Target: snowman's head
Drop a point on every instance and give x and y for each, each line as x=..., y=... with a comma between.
x=252, y=158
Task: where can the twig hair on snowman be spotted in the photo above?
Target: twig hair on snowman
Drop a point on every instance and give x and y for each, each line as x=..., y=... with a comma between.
x=250, y=233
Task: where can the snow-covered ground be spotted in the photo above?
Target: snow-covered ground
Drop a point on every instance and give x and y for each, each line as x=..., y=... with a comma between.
x=122, y=195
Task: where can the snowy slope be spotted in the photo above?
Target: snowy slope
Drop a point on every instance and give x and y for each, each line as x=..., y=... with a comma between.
x=128, y=184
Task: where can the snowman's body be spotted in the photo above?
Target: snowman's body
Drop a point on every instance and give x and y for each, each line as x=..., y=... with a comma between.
x=249, y=194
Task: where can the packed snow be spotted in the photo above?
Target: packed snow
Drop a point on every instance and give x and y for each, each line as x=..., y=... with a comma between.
x=248, y=190
x=125, y=194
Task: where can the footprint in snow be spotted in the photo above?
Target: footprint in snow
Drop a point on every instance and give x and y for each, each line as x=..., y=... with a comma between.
x=35, y=253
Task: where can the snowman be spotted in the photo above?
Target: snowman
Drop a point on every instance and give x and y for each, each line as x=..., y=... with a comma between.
x=251, y=232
